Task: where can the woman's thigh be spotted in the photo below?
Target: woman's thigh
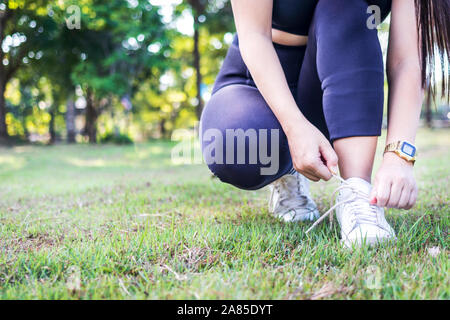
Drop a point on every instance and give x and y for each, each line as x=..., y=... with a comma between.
x=341, y=83
x=242, y=141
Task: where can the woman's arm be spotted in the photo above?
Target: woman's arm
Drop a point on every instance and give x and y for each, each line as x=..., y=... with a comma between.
x=253, y=21
x=394, y=183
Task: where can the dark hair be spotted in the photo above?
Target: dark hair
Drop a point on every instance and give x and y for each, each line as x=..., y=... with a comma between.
x=433, y=22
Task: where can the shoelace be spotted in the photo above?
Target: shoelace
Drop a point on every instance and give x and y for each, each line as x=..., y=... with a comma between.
x=363, y=217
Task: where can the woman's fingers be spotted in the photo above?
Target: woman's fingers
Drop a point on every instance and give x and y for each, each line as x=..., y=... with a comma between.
x=383, y=190
x=311, y=177
x=394, y=196
x=313, y=156
x=404, y=198
x=314, y=167
x=373, y=193
x=412, y=198
x=308, y=169
x=391, y=194
x=310, y=174
x=330, y=157
x=321, y=171
x=395, y=186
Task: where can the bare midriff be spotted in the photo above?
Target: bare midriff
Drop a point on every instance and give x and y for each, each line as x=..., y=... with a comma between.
x=288, y=39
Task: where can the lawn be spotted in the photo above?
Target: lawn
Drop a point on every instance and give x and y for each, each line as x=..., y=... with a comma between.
x=123, y=222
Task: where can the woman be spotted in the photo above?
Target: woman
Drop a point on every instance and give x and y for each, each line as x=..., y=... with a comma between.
x=308, y=76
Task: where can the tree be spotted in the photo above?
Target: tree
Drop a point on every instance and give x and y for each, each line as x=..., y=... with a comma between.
x=60, y=51
x=24, y=29
x=428, y=111
x=205, y=13
x=115, y=44
x=198, y=9
x=121, y=50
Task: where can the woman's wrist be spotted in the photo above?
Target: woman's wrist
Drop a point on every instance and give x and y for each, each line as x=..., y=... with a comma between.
x=392, y=158
x=293, y=122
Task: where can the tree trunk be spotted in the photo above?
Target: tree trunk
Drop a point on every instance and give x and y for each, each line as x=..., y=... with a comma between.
x=197, y=66
x=3, y=127
x=428, y=112
x=3, y=79
x=162, y=128
x=91, y=118
x=51, y=127
x=23, y=121
x=70, y=121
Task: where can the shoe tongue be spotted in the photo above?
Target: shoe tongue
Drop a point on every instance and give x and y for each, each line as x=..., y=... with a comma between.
x=358, y=184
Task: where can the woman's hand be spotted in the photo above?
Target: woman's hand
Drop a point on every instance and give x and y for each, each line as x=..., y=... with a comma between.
x=395, y=186
x=312, y=154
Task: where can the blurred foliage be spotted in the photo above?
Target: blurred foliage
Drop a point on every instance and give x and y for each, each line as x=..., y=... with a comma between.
x=82, y=70
x=128, y=68
x=116, y=138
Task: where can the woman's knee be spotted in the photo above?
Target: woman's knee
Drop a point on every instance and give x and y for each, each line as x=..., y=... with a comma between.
x=247, y=159
x=242, y=141
x=245, y=177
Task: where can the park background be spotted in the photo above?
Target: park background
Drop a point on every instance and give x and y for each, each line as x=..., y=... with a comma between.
x=123, y=71
x=92, y=205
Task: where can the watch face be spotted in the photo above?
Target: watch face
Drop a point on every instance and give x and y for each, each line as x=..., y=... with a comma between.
x=408, y=149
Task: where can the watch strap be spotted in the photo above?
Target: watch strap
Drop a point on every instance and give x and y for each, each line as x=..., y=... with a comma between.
x=392, y=146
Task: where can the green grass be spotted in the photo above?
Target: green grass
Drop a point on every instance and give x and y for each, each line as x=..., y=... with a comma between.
x=109, y=222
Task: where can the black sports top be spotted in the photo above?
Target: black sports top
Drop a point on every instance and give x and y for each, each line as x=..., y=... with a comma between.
x=294, y=16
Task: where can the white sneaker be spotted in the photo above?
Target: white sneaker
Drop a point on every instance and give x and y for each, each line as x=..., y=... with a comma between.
x=361, y=222
x=290, y=199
